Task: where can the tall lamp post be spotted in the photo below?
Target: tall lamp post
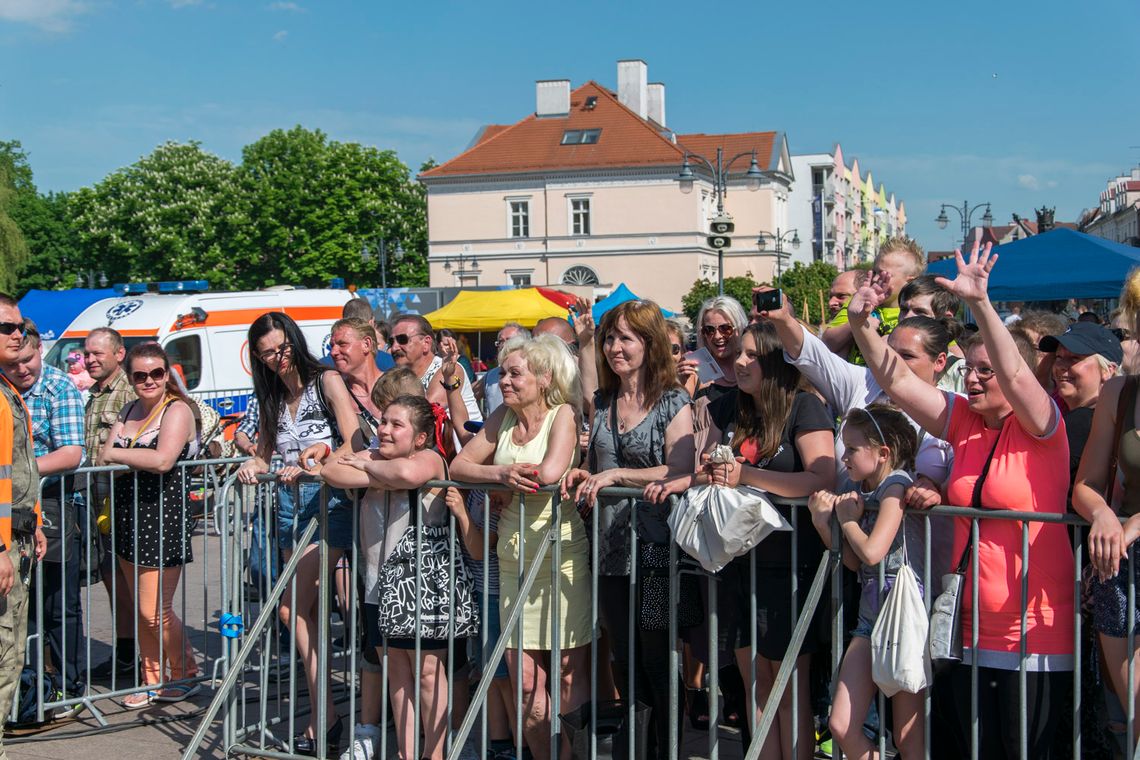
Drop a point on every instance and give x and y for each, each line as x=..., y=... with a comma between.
x=380, y=251
x=965, y=212
x=722, y=224
x=792, y=237
x=467, y=264
x=91, y=279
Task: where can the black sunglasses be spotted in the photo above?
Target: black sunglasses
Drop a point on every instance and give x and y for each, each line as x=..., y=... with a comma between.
x=7, y=328
x=676, y=349
x=157, y=374
x=403, y=339
x=724, y=329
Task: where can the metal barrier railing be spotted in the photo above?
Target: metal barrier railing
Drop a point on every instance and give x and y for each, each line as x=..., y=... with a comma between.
x=254, y=702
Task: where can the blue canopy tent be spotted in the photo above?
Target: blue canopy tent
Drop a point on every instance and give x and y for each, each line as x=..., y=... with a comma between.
x=1054, y=266
x=54, y=310
x=620, y=294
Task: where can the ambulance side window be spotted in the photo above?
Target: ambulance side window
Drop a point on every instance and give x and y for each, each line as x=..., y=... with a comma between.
x=186, y=353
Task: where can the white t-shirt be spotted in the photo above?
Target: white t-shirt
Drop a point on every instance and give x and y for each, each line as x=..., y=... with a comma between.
x=473, y=412
x=310, y=426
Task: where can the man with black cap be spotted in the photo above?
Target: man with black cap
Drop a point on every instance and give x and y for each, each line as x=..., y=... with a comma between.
x=1083, y=358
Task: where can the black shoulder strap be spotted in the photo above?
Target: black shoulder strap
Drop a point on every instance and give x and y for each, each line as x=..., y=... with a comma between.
x=976, y=501
x=330, y=416
x=614, y=430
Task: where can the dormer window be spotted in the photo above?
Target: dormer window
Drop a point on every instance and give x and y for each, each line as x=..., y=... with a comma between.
x=581, y=136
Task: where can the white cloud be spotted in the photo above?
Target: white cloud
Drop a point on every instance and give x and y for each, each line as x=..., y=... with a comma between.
x=286, y=6
x=1028, y=181
x=49, y=15
x=280, y=36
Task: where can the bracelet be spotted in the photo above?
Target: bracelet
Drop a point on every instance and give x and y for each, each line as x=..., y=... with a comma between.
x=453, y=386
x=328, y=449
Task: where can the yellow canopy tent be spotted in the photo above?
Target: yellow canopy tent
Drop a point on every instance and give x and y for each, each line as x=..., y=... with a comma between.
x=476, y=310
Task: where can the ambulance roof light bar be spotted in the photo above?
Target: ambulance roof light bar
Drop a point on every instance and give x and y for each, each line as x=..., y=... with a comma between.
x=174, y=286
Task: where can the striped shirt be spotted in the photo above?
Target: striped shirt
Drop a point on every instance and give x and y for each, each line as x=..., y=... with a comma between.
x=57, y=412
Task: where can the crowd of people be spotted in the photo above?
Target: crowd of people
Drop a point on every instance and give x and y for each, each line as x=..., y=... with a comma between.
x=895, y=406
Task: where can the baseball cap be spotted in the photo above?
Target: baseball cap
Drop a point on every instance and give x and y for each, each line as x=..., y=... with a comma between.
x=1086, y=339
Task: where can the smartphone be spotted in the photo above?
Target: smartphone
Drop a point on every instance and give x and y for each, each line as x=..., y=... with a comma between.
x=769, y=300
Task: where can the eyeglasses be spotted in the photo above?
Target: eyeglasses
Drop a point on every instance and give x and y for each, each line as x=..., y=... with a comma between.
x=725, y=330
x=676, y=348
x=983, y=373
x=275, y=353
x=403, y=339
x=158, y=374
x=7, y=328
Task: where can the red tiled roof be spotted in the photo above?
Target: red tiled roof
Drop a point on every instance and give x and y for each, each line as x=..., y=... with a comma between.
x=534, y=144
x=490, y=131
x=1132, y=185
x=764, y=143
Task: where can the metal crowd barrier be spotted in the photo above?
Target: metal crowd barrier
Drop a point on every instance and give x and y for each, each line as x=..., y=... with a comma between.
x=252, y=659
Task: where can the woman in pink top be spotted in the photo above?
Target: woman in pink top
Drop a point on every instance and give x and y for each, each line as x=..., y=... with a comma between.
x=1006, y=411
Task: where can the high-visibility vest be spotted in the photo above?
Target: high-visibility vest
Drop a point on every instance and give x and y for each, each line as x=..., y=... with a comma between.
x=7, y=443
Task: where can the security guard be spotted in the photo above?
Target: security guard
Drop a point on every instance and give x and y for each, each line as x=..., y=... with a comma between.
x=23, y=541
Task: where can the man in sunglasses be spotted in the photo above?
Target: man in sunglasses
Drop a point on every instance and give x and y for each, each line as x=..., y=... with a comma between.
x=104, y=353
x=56, y=410
x=413, y=346
x=21, y=540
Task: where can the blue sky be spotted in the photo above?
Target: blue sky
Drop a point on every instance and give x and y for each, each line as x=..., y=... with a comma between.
x=907, y=87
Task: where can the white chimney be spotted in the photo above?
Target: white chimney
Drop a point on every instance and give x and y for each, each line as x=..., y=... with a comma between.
x=656, y=103
x=552, y=97
x=633, y=83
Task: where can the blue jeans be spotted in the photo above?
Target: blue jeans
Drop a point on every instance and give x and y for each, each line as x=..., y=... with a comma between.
x=292, y=521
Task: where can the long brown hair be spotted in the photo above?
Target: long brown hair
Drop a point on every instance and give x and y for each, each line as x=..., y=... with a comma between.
x=645, y=321
x=763, y=417
x=151, y=350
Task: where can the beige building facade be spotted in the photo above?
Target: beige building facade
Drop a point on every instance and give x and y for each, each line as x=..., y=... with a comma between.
x=585, y=192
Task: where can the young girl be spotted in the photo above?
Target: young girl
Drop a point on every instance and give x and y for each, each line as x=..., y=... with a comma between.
x=405, y=458
x=880, y=446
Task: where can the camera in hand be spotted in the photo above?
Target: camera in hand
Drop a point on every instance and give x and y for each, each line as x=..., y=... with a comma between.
x=769, y=300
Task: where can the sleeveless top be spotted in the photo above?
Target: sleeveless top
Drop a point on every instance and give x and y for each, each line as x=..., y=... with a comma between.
x=310, y=426
x=508, y=452
x=1129, y=461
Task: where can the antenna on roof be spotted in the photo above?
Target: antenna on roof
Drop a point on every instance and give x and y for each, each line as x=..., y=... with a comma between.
x=591, y=102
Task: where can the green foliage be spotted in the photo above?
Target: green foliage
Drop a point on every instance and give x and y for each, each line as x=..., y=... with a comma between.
x=313, y=204
x=13, y=248
x=739, y=288
x=809, y=285
x=55, y=255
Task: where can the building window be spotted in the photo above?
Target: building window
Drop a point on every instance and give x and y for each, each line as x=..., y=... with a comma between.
x=579, y=216
x=580, y=274
x=520, y=278
x=520, y=219
x=581, y=136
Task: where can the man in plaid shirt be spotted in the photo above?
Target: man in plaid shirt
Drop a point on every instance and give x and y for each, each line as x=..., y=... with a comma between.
x=56, y=409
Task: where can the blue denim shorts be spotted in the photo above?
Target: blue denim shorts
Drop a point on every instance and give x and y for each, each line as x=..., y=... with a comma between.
x=291, y=521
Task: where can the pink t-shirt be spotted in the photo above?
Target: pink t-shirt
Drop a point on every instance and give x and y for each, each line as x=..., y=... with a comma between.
x=1028, y=474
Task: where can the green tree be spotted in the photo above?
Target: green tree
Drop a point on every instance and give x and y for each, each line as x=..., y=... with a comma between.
x=313, y=204
x=739, y=288
x=13, y=248
x=807, y=285
x=169, y=216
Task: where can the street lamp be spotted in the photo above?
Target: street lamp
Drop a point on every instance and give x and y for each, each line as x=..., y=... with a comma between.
x=91, y=279
x=779, y=238
x=965, y=213
x=719, y=170
x=466, y=264
x=380, y=251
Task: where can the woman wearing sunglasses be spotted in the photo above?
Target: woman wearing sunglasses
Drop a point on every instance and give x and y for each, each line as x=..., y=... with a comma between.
x=720, y=324
x=302, y=404
x=151, y=530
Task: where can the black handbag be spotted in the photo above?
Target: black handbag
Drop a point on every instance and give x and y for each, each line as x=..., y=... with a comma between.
x=946, y=612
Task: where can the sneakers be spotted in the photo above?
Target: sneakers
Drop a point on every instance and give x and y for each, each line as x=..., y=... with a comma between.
x=366, y=744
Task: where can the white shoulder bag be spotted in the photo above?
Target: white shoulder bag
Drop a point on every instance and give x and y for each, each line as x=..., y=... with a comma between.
x=900, y=660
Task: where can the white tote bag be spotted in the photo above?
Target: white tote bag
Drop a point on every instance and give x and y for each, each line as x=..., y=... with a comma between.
x=900, y=659
x=714, y=524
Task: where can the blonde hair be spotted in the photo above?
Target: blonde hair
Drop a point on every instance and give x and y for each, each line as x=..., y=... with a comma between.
x=548, y=355
x=360, y=327
x=394, y=383
x=907, y=246
x=729, y=307
x=1106, y=366
x=1130, y=299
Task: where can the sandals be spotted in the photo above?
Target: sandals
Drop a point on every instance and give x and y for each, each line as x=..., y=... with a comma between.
x=139, y=700
x=697, y=705
x=177, y=692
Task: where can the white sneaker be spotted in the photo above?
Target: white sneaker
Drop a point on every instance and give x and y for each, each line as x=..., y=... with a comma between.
x=366, y=744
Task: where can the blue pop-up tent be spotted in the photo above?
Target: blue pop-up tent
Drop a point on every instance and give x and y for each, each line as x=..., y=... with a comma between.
x=54, y=310
x=620, y=294
x=1055, y=265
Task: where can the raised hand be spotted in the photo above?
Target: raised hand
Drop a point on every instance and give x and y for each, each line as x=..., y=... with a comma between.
x=782, y=313
x=583, y=321
x=450, y=350
x=972, y=282
x=865, y=301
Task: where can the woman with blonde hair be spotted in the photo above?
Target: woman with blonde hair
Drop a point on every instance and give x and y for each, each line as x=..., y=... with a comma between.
x=529, y=442
x=720, y=323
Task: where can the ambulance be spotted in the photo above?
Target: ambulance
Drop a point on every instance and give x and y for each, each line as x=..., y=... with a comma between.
x=204, y=333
